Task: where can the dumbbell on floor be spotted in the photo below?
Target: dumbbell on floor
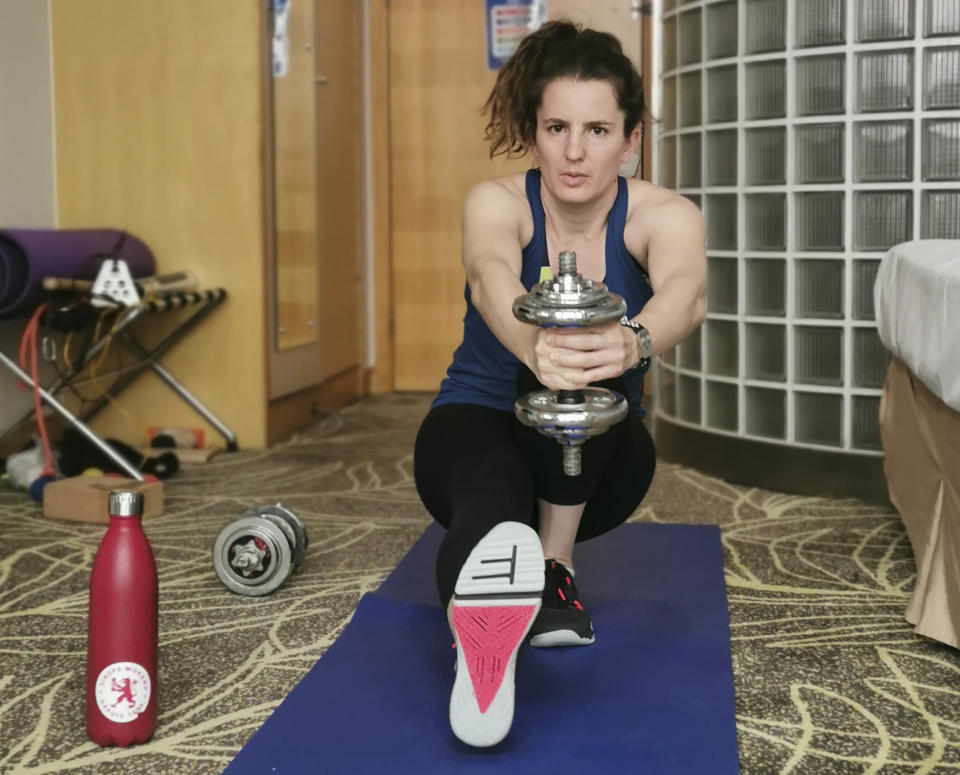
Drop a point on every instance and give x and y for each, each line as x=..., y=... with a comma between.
x=255, y=553
x=570, y=416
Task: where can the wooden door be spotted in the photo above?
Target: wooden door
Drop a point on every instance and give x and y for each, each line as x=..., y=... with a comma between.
x=622, y=18
x=317, y=188
x=295, y=189
x=438, y=81
x=339, y=141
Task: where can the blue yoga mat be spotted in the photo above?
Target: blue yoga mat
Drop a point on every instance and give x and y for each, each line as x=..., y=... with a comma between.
x=653, y=694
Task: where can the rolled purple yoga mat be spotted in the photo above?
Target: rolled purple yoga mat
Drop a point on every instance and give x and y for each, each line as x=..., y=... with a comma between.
x=29, y=255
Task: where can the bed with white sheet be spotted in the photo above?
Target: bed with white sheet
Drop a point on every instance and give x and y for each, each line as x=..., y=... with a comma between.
x=917, y=303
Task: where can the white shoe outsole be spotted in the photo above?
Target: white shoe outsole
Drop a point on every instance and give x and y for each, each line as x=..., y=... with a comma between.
x=503, y=579
x=560, y=638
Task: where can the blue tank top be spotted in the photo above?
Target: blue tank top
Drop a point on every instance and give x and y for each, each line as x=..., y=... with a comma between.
x=483, y=371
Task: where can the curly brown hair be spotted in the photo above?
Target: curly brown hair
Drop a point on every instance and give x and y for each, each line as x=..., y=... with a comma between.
x=558, y=49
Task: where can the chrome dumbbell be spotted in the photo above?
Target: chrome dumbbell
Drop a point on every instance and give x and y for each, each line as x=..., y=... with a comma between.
x=570, y=416
x=255, y=553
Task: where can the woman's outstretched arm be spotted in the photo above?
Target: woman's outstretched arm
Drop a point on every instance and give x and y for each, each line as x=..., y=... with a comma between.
x=492, y=260
x=677, y=265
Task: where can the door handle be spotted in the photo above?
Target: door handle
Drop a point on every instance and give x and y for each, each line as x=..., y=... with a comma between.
x=320, y=79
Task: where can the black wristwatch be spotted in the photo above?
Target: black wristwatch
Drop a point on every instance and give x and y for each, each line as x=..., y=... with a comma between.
x=645, y=345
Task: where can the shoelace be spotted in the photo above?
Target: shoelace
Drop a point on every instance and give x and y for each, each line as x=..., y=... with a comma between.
x=568, y=582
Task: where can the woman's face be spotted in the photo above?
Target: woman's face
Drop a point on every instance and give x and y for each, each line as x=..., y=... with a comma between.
x=579, y=143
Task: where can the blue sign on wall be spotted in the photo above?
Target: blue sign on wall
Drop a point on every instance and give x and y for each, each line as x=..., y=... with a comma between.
x=507, y=22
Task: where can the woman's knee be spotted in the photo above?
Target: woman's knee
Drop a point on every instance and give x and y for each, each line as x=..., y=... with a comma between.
x=624, y=484
x=463, y=451
x=475, y=512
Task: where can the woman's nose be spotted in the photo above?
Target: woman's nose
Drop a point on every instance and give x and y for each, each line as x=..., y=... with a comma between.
x=574, y=149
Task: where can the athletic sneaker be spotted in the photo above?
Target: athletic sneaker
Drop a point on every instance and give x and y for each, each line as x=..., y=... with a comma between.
x=563, y=621
x=496, y=600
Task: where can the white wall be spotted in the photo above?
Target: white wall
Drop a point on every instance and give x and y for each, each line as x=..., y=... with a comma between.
x=27, y=194
x=27, y=177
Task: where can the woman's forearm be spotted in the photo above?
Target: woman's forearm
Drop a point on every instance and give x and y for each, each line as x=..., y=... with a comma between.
x=674, y=311
x=493, y=288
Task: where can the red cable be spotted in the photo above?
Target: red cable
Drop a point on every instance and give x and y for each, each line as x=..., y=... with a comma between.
x=28, y=345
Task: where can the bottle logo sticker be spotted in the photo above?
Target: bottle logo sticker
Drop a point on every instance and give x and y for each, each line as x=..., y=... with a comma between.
x=123, y=691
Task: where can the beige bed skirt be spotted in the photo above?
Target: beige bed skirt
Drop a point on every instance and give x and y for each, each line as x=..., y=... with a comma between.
x=921, y=443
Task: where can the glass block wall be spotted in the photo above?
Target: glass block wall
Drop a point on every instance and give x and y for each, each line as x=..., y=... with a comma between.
x=813, y=135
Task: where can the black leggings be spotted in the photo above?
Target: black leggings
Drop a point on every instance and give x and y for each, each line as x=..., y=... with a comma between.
x=476, y=467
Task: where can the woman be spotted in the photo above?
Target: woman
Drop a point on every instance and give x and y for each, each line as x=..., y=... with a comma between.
x=572, y=100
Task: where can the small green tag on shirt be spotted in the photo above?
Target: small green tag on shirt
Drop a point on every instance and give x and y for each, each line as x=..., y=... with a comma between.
x=545, y=274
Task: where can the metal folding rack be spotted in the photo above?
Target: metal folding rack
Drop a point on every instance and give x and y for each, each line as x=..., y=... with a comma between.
x=203, y=301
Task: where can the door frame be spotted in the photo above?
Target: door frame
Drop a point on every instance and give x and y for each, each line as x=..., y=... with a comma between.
x=380, y=316
x=294, y=369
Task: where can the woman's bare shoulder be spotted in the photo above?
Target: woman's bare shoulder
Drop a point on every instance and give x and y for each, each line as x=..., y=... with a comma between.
x=500, y=201
x=647, y=201
x=506, y=189
x=645, y=196
x=647, y=206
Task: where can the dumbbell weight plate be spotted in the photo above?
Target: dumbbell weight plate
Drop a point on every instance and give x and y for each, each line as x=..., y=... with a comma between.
x=600, y=409
x=290, y=523
x=569, y=300
x=287, y=532
x=271, y=542
x=593, y=306
x=299, y=530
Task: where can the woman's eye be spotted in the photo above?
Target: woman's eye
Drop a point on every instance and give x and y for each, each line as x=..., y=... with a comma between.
x=555, y=128
x=599, y=130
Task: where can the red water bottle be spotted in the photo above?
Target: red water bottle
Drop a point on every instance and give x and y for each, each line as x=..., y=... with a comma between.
x=122, y=634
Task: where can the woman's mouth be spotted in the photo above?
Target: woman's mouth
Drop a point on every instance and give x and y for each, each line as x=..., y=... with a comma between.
x=573, y=178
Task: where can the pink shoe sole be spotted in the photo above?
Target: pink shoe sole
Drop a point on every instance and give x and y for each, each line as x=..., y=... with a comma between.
x=497, y=598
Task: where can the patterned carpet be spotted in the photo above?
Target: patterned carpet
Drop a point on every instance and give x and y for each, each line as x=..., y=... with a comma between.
x=828, y=676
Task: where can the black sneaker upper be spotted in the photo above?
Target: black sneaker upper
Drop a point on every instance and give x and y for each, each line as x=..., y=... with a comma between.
x=561, y=609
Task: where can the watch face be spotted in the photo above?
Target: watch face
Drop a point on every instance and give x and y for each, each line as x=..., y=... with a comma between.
x=646, y=346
